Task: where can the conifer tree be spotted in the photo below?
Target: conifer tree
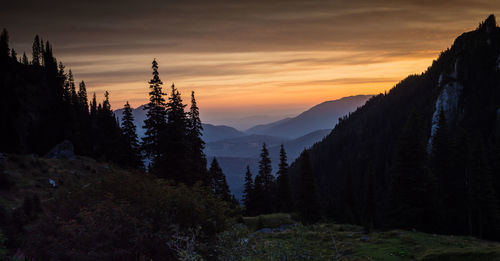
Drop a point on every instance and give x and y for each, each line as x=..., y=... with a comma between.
x=72, y=90
x=37, y=52
x=248, y=193
x=283, y=196
x=4, y=44
x=413, y=188
x=219, y=183
x=307, y=202
x=449, y=180
x=264, y=184
x=198, y=159
x=132, y=151
x=155, y=122
x=93, y=106
x=82, y=97
x=13, y=54
x=24, y=60
x=175, y=158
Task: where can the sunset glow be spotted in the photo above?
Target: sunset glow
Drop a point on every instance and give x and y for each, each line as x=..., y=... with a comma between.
x=249, y=59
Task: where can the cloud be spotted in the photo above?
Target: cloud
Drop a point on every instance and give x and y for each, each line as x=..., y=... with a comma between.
x=231, y=48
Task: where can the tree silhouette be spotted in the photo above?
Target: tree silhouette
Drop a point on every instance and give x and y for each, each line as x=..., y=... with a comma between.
x=307, y=202
x=37, y=51
x=264, y=184
x=248, y=193
x=283, y=197
x=198, y=162
x=219, y=183
x=155, y=122
x=413, y=188
x=4, y=44
x=132, y=152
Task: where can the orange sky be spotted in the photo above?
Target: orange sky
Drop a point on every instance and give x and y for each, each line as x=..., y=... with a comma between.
x=242, y=58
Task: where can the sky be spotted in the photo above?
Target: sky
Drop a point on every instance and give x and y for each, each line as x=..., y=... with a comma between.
x=260, y=60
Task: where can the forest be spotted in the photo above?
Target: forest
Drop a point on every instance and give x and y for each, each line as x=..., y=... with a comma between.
x=424, y=156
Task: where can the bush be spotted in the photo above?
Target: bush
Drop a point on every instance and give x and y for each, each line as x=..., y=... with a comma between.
x=123, y=216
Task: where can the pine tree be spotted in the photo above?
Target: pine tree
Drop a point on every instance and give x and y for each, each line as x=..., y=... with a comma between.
x=72, y=90
x=219, y=183
x=449, y=180
x=82, y=97
x=413, y=188
x=24, y=60
x=283, y=196
x=13, y=54
x=93, y=106
x=4, y=44
x=307, y=201
x=484, y=215
x=37, y=52
x=198, y=159
x=264, y=184
x=175, y=158
x=132, y=152
x=248, y=193
x=155, y=122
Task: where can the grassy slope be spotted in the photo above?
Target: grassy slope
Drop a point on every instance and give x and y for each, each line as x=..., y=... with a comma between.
x=30, y=175
x=330, y=241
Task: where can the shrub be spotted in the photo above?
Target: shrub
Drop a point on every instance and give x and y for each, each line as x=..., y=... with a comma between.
x=122, y=216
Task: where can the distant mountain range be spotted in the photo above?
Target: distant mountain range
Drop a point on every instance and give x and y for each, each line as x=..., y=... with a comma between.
x=236, y=149
x=322, y=116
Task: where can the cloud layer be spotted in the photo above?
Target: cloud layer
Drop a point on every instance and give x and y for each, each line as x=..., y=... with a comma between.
x=245, y=57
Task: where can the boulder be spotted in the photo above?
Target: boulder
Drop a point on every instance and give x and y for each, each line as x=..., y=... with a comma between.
x=63, y=150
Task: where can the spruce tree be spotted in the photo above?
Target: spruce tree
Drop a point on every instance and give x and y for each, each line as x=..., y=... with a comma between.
x=283, y=197
x=75, y=102
x=13, y=54
x=37, y=52
x=132, y=153
x=450, y=184
x=175, y=158
x=4, y=44
x=248, y=193
x=219, y=183
x=93, y=106
x=155, y=122
x=413, y=188
x=198, y=162
x=82, y=97
x=264, y=184
x=307, y=201
x=24, y=60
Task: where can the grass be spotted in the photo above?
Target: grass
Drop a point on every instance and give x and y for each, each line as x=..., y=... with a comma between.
x=331, y=241
x=267, y=221
x=30, y=175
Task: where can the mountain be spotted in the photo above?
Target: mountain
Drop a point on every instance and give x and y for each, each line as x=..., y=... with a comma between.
x=235, y=154
x=211, y=132
x=322, y=116
x=366, y=166
x=246, y=146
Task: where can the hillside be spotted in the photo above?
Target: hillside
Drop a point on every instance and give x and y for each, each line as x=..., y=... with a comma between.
x=358, y=165
x=55, y=209
x=322, y=116
x=277, y=237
